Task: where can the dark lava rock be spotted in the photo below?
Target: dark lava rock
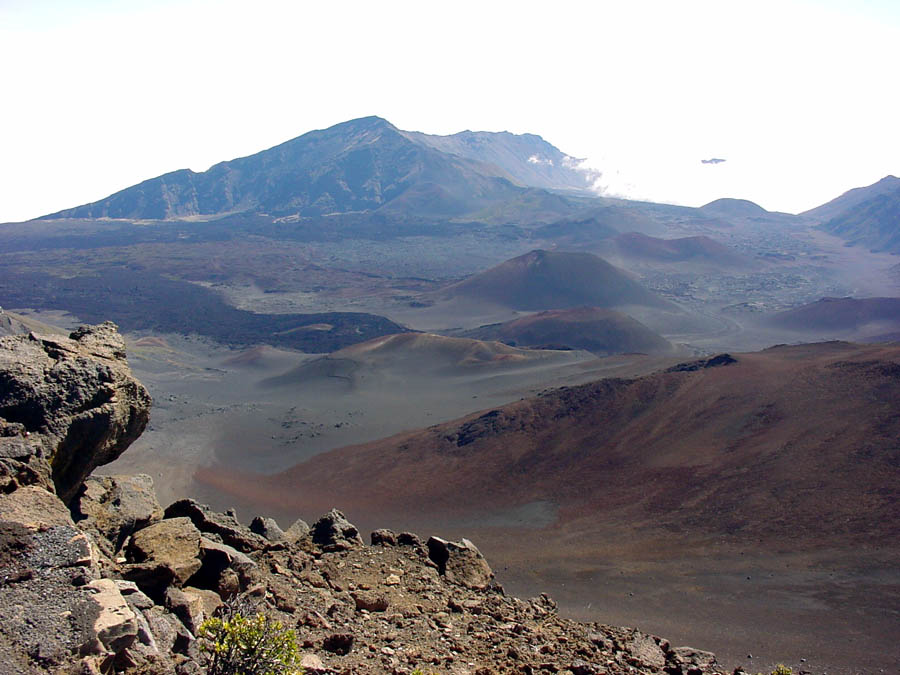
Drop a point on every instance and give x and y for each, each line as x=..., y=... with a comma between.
x=333, y=532
x=712, y=362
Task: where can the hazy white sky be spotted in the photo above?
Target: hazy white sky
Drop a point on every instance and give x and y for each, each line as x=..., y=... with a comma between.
x=800, y=97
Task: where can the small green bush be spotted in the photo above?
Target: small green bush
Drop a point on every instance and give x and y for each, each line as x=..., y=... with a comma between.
x=782, y=669
x=241, y=641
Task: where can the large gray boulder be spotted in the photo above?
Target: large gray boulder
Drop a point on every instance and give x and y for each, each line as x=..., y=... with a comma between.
x=460, y=562
x=67, y=406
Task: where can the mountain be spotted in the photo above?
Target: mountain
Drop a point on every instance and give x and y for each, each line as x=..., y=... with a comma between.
x=728, y=207
x=853, y=198
x=873, y=223
x=364, y=165
x=555, y=280
x=598, y=330
x=842, y=316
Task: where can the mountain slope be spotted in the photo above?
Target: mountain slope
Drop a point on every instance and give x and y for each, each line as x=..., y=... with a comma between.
x=842, y=316
x=526, y=158
x=361, y=165
x=730, y=207
x=555, y=280
x=598, y=330
x=792, y=441
x=873, y=223
x=853, y=198
x=698, y=249
x=408, y=357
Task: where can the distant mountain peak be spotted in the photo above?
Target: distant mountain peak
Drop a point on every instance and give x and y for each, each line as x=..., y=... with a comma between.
x=734, y=207
x=361, y=165
x=851, y=198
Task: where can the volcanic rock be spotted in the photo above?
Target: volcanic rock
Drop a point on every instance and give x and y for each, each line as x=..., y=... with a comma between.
x=116, y=624
x=297, y=531
x=117, y=506
x=460, y=562
x=73, y=402
x=223, y=525
x=333, y=532
x=267, y=528
x=172, y=543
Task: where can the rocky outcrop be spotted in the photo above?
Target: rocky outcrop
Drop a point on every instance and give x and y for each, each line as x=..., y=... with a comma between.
x=67, y=406
x=393, y=606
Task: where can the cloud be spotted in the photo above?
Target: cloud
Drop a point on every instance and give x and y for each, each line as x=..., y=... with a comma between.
x=534, y=159
x=713, y=160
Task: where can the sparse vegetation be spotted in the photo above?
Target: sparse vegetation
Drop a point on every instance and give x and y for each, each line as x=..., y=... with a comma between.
x=240, y=640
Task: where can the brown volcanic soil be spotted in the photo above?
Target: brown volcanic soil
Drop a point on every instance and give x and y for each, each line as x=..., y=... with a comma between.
x=598, y=330
x=698, y=249
x=784, y=442
x=679, y=489
x=555, y=280
x=834, y=316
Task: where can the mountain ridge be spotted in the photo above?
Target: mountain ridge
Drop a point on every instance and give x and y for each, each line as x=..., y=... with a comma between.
x=364, y=164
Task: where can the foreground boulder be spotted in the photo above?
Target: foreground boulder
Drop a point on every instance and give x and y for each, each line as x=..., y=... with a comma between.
x=173, y=543
x=67, y=406
x=117, y=506
x=333, y=532
x=460, y=562
x=225, y=526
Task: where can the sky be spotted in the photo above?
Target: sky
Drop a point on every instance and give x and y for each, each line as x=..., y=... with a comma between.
x=799, y=97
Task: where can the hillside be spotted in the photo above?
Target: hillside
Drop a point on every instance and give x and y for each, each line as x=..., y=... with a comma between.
x=555, y=280
x=698, y=250
x=842, y=316
x=853, y=198
x=730, y=207
x=362, y=165
x=873, y=223
x=408, y=358
x=598, y=330
x=711, y=499
x=735, y=434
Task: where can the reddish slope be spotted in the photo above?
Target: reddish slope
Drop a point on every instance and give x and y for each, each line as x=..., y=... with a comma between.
x=685, y=249
x=598, y=330
x=834, y=316
x=797, y=442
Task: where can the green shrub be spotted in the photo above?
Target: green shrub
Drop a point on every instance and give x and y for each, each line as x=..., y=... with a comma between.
x=241, y=641
x=782, y=669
